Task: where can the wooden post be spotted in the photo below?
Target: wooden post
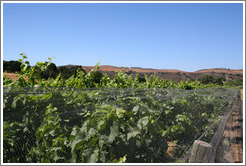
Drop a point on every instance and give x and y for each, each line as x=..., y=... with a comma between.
x=199, y=152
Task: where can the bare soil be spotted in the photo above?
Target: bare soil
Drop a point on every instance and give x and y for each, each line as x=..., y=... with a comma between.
x=12, y=76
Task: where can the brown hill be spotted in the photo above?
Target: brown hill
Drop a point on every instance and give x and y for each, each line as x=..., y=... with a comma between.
x=176, y=75
x=105, y=68
x=221, y=70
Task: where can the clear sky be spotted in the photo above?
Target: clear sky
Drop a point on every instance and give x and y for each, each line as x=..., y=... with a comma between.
x=182, y=36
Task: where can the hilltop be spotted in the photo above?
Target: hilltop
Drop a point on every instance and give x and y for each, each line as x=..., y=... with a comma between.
x=174, y=74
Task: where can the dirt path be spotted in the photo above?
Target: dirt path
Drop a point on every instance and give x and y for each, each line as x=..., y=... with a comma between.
x=231, y=148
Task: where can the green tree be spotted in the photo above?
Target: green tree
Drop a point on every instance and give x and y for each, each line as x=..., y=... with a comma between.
x=50, y=72
x=11, y=66
x=67, y=72
x=219, y=80
x=207, y=79
x=140, y=79
x=97, y=76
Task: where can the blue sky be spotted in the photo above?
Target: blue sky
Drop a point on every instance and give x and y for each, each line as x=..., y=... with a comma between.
x=182, y=36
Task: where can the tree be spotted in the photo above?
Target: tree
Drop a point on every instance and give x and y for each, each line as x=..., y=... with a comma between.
x=97, y=76
x=11, y=66
x=140, y=79
x=67, y=72
x=130, y=72
x=50, y=72
x=207, y=79
x=219, y=80
x=210, y=79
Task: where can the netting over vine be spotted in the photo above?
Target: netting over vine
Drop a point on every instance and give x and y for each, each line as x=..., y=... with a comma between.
x=64, y=125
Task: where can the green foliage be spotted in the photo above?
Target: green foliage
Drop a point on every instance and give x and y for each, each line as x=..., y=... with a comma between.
x=50, y=72
x=208, y=79
x=140, y=79
x=235, y=83
x=219, y=80
x=67, y=72
x=86, y=126
x=11, y=66
x=97, y=76
x=51, y=139
x=30, y=75
x=6, y=81
x=90, y=118
x=48, y=75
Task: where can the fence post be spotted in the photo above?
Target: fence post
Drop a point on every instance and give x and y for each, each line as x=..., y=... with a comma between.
x=200, y=152
x=203, y=152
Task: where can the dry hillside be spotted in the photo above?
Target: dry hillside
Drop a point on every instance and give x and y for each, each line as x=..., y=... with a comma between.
x=176, y=75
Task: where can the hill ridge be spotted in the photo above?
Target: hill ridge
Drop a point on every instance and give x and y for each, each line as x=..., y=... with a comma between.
x=139, y=69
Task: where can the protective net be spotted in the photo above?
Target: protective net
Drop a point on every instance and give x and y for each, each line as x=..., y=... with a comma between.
x=64, y=125
x=230, y=148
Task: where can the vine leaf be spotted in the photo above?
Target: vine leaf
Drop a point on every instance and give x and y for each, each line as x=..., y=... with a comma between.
x=132, y=132
x=114, y=132
x=94, y=157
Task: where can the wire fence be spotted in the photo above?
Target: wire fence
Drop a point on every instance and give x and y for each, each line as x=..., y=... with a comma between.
x=64, y=125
